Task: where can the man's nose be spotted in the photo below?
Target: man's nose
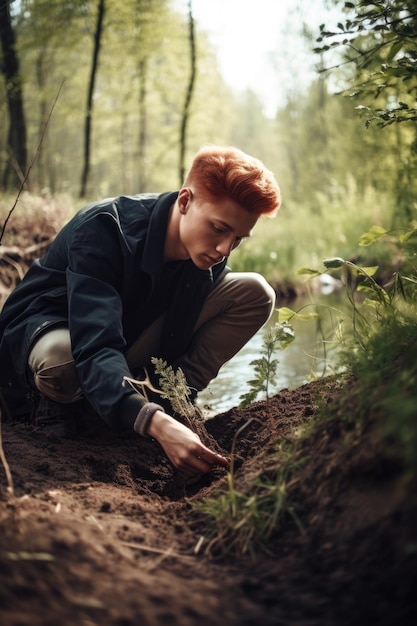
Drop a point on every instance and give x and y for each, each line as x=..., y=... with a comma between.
x=225, y=246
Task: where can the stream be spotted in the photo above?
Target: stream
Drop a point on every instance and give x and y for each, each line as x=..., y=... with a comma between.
x=310, y=355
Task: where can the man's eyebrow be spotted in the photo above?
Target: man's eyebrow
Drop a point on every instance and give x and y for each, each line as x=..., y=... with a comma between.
x=226, y=225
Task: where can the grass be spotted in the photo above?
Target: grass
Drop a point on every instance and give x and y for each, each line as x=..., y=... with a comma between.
x=243, y=523
x=380, y=360
x=301, y=235
x=386, y=372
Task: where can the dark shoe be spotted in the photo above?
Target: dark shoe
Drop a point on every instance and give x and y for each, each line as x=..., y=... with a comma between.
x=54, y=418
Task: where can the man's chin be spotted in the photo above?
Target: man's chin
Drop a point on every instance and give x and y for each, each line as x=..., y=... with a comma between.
x=204, y=262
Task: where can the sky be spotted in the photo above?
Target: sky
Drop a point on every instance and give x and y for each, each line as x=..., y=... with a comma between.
x=259, y=45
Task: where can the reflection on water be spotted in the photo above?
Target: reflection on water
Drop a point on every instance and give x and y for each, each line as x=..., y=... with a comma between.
x=310, y=355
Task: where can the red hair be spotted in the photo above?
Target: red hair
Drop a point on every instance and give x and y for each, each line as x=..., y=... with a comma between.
x=218, y=172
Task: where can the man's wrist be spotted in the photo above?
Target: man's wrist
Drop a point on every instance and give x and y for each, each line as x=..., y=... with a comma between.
x=145, y=417
x=159, y=417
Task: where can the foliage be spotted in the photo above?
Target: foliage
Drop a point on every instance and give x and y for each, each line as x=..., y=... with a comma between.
x=386, y=375
x=297, y=235
x=243, y=523
x=382, y=357
x=265, y=368
x=380, y=39
x=326, y=168
x=174, y=388
x=135, y=143
x=379, y=302
x=381, y=361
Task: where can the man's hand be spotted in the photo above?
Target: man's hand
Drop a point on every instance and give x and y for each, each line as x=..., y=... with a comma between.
x=183, y=447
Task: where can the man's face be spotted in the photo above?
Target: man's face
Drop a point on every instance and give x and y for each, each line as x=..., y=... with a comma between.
x=209, y=231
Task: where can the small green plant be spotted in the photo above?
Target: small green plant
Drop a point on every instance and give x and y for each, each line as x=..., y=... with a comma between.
x=265, y=367
x=244, y=523
x=370, y=312
x=173, y=387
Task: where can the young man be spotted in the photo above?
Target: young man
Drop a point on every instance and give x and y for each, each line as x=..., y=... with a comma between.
x=137, y=277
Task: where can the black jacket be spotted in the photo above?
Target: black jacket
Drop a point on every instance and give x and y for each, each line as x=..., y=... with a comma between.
x=103, y=277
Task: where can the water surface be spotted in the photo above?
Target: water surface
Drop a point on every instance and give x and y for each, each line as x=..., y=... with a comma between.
x=308, y=356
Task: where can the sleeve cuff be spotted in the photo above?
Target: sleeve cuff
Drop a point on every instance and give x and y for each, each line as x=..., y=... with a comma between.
x=144, y=417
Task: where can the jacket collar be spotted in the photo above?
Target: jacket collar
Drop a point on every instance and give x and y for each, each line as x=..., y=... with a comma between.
x=153, y=252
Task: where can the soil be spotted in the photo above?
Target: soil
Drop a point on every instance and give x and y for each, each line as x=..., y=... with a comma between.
x=100, y=530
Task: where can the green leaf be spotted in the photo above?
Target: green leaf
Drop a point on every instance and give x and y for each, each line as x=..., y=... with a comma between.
x=306, y=317
x=307, y=270
x=373, y=304
x=372, y=235
x=333, y=262
x=366, y=288
x=410, y=233
x=395, y=48
x=357, y=270
x=285, y=314
x=369, y=271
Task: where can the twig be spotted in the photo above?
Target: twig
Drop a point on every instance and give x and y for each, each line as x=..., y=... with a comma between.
x=24, y=253
x=199, y=544
x=31, y=163
x=10, y=487
x=93, y=520
x=146, y=382
x=168, y=552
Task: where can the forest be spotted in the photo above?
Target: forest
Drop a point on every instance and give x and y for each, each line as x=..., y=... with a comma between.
x=314, y=522
x=88, y=130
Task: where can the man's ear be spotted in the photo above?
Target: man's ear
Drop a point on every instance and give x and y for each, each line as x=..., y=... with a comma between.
x=184, y=196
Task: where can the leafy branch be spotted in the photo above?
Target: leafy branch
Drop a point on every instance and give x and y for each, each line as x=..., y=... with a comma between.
x=380, y=40
x=361, y=279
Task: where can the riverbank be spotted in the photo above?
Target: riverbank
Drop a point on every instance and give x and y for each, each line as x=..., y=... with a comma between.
x=100, y=530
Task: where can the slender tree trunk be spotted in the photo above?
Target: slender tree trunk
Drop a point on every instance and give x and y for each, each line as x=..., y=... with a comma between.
x=186, y=111
x=89, y=111
x=16, y=140
x=41, y=179
x=142, y=125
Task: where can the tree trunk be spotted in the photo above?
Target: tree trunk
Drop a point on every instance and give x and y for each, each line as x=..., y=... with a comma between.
x=186, y=111
x=41, y=179
x=142, y=125
x=89, y=111
x=16, y=139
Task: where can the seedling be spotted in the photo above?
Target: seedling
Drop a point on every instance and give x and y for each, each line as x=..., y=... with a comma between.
x=173, y=387
x=266, y=366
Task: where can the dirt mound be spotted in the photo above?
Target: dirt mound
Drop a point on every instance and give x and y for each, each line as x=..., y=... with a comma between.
x=101, y=530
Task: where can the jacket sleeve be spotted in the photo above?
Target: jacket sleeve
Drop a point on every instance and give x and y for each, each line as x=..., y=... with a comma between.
x=96, y=254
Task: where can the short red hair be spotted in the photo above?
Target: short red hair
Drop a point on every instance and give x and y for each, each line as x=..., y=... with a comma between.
x=219, y=172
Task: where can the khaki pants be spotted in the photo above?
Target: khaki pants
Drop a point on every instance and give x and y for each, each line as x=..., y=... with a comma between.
x=232, y=313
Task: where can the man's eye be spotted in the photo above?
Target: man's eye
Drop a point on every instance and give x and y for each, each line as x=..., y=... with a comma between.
x=218, y=229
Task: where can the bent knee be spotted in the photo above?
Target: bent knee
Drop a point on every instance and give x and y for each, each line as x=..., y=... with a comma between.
x=257, y=289
x=52, y=366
